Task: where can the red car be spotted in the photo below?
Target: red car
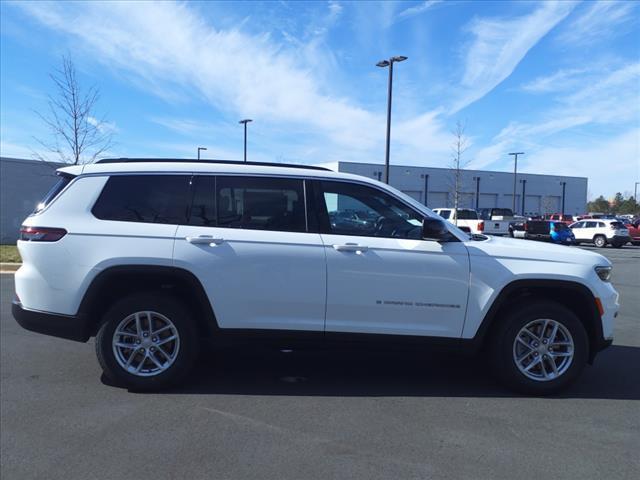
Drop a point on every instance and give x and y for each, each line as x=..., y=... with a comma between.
x=634, y=231
x=559, y=217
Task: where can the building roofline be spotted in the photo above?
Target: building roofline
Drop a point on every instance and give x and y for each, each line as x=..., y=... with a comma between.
x=380, y=165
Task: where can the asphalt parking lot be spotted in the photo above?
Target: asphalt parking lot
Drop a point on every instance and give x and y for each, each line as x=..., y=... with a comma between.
x=308, y=415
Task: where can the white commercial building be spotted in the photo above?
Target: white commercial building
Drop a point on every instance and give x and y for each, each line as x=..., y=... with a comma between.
x=434, y=187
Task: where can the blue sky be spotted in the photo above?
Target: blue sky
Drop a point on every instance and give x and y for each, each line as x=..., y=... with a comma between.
x=559, y=81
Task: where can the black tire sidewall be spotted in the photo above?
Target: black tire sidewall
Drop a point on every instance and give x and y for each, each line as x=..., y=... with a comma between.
x=168, y=306
x=502, y=348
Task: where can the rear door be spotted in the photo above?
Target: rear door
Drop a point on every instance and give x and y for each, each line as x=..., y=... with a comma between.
x=248, y=242
x=381, y=276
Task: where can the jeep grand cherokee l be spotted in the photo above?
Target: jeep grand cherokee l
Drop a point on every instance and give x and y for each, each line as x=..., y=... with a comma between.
x=152, y=256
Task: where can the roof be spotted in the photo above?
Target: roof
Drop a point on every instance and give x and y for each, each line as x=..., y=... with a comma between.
x=203, y=166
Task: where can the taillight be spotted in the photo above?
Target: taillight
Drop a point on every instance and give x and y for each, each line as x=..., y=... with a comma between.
x=526, y=226
x=480, y=226
x=41, y=234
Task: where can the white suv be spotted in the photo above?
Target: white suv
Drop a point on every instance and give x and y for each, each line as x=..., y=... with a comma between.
x=151, y=257
x=601, y=232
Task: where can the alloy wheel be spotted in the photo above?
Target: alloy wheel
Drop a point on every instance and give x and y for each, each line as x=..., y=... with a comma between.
x=543, y=350
x=146, y=343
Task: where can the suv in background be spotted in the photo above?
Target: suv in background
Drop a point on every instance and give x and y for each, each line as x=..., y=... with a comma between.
x=152, y=257
x=601, y=232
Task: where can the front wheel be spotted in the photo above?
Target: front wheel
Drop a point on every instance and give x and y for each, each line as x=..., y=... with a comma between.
x=539, y=349
x=600, y=241
x=147, y=342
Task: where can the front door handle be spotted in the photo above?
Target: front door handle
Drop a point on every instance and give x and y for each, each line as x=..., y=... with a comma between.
x=351, y=247
x=205, y=240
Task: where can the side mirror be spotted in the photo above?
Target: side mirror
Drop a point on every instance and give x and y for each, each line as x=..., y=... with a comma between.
x=434, y=229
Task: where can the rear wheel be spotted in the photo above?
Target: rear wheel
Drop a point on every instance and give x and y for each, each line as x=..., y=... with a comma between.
x=617, y=245
x=600, y=241
x=147, y=342
x=539, y=349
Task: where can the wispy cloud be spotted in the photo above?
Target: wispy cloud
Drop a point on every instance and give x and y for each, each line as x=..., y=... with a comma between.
x=417, y=9
x=498, y=46
x=561, y=80
x=597, y=20
x=237, y=73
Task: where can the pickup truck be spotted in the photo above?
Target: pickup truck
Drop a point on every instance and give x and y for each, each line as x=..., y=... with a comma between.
x=549, y=231
x=465, y=219
x=496, y=220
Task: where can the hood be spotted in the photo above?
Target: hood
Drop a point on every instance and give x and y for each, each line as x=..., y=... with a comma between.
x=533, y=250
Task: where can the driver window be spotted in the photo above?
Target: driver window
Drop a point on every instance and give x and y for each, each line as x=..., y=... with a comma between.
x=365, y=211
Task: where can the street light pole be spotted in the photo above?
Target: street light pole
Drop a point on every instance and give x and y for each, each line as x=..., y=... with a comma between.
x=245, y=121
x=515, y=176
x=389, y=63
x=564, y=187
x=200, y=148
x=635, y=192
x=477, y=179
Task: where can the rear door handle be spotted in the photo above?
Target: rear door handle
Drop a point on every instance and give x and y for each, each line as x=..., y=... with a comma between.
x=205, y=240
x=351, y=247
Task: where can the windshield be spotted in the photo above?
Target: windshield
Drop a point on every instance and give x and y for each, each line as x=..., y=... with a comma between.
x=501, y=212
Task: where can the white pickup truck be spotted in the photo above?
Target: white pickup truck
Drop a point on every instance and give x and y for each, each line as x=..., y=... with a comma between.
x=496, y=220
x=465, y=219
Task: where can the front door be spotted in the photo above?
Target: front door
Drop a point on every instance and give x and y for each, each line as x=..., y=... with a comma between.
x=381, y=276
x=248, y=243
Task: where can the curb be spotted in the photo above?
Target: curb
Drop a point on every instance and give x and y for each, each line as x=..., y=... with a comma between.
x=9, y=267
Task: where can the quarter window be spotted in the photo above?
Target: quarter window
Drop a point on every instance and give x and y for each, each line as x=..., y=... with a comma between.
x=260, y=203
x=144, y=198
x=359, y=210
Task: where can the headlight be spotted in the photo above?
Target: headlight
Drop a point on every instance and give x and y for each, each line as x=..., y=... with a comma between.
x=604, y=273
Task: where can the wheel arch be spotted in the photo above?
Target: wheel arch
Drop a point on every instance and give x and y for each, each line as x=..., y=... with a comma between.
x=117, y=281
x=573, y=295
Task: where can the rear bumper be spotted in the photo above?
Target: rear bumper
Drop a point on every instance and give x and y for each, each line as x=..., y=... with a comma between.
x=63, y=326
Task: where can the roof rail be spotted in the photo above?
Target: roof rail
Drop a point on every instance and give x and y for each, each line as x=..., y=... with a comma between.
x=223, y=162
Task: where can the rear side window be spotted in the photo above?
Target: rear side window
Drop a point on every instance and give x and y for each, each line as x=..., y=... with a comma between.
x=144, y=199
x=467, y=215
x=444, y=213
x=62, y=182
x=260, y=203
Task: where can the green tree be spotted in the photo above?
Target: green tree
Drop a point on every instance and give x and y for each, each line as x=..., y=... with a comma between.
x=600, y=205
x=617, y=202
x=629, y=206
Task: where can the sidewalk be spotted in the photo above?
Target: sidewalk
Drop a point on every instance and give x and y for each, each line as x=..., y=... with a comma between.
x=9, y=267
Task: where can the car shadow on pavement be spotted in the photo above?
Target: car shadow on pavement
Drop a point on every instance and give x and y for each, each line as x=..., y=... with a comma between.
x=370, y=374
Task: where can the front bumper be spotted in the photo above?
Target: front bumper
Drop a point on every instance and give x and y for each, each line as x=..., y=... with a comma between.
x=63, y=326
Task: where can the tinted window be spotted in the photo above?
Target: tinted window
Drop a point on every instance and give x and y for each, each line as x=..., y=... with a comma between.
x=502, y=212
x=203, y=207
x=444, y=213
x=558, y=226
x=62, y=182
x=617, y=225
x=467, y=215
x=591, y=225
x=261, y=203
x=601, y=224
x=577, y=225
x=144, y=198
x=359, y=210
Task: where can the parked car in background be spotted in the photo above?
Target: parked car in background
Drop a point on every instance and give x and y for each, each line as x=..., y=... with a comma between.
x=560, y=217
x=601, y=232
x=516, y=226
x=548, y=231
x=633, y=228
x=466, y=219
x=496, y=220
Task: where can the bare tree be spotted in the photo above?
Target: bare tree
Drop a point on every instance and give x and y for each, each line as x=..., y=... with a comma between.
x=457, y=164
x=78, y=135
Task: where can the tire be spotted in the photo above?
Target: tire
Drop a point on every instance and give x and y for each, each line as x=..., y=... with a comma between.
x=600, y=241
x=504, y=347
x=617, y=245
x=157, y=371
